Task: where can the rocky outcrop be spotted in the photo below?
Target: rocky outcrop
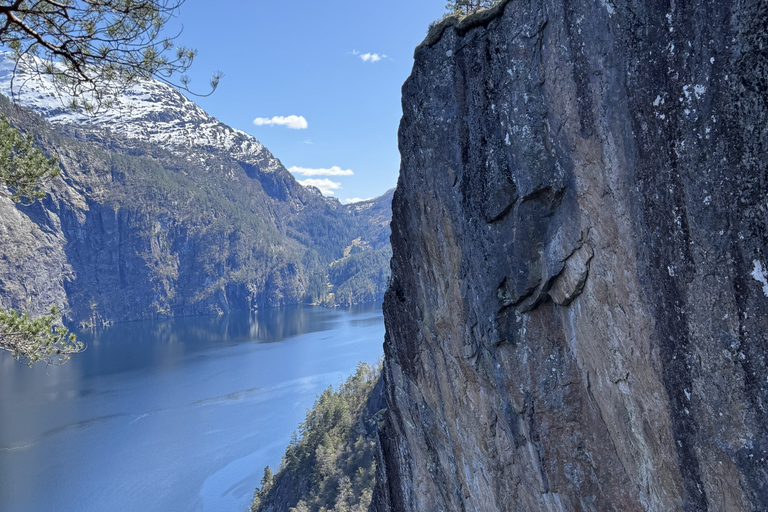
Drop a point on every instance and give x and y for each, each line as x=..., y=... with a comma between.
x=35, y=253
x=578, y=309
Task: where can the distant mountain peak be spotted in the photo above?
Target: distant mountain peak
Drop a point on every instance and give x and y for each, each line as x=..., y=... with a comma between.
x=150, y=111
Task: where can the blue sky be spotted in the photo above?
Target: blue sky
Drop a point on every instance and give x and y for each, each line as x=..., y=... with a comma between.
x=307, y=59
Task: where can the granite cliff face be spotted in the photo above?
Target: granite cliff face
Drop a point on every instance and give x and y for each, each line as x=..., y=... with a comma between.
x=578, y=312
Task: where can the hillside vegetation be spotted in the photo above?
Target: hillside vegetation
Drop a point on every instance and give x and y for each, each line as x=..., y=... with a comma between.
x=329, y=465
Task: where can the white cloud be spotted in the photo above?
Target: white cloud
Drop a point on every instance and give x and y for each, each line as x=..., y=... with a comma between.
x=369, y=57
x=325, y=185
x=294, y=122
x=333, y=171
x=355, y=200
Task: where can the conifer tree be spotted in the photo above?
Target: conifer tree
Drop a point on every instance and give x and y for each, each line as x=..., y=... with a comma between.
x=465, y=7
x=33, y=340
x=266, y=480
x=23, y=167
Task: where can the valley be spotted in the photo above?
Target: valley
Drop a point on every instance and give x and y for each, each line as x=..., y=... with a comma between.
x=184, y=216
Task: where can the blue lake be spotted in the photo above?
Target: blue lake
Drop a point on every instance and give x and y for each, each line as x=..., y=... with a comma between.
x=175, y=415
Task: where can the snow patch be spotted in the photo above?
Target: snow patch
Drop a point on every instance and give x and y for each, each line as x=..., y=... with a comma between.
x=149, y=111
x=759, y=273
x=608, y=7
x=691, y=91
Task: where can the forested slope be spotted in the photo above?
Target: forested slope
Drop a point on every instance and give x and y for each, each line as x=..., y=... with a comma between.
x=329, y=465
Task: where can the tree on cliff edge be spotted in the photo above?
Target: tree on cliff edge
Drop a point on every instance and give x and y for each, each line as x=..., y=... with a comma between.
x=91, y=50
x=465, y=7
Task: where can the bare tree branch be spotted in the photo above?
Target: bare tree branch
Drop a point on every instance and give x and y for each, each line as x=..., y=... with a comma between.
x=95, y=49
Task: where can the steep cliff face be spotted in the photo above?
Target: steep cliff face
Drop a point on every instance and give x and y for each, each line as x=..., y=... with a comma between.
x=578, y=310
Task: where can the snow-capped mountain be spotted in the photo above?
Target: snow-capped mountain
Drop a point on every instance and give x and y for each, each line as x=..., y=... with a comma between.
x=150, y=111
x=212, y=222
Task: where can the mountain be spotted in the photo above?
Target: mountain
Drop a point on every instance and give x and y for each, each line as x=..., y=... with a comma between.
x=150, y=111
x=162, y=210
x=578, y=306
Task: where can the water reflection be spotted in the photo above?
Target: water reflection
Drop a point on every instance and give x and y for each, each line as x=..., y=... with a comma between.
x=161, y=343
x=277, y=324
x=192, y=408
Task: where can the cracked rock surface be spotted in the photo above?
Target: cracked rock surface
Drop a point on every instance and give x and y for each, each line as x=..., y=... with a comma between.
x=578, y=311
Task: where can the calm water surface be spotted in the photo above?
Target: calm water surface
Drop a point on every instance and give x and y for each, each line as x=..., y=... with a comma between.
x=177, y=415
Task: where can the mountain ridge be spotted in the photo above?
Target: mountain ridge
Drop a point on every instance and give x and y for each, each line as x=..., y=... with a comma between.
x=149, y=110
x=182, y=228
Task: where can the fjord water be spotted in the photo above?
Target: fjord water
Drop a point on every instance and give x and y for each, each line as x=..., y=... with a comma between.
x=170, y=415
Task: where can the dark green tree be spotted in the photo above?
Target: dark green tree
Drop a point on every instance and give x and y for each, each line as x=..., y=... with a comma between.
x=465, y=7
x=23, y=167
x=266, y=484
x=266, y=480
x=32, y=340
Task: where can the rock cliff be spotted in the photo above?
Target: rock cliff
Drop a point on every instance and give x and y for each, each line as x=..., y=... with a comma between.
x=578, y=311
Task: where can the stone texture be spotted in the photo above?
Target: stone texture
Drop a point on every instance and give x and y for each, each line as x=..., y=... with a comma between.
x=34, y=252
x=578, y=312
